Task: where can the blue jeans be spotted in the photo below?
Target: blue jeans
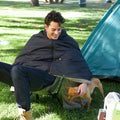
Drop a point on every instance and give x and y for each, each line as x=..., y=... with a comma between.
x=24, y=79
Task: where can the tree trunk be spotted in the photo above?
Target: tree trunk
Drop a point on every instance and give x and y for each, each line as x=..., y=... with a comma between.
x=34, y=3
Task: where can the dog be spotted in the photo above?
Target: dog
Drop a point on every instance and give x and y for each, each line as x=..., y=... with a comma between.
x=73, y=92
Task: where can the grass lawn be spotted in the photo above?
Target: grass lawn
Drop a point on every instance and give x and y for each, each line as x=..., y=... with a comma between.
x=18, y=21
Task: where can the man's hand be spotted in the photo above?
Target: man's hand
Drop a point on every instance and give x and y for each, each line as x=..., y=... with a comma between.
x=82, y=89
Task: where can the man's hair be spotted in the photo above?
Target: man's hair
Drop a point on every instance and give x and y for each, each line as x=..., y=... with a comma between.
x=55, y=17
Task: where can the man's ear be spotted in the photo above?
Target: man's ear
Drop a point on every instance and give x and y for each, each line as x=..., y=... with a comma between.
x=46, y=26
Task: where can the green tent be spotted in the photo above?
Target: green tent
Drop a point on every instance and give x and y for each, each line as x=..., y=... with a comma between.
x=102, y=48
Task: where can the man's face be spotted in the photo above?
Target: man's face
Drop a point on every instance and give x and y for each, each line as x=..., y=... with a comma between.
x=53, y=30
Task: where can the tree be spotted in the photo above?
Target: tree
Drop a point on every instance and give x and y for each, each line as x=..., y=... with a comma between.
x=34, y=3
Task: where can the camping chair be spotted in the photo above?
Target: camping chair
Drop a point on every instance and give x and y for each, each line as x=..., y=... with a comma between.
x=52, y=90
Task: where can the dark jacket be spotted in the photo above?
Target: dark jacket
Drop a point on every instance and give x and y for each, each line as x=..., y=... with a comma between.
x=60, y=57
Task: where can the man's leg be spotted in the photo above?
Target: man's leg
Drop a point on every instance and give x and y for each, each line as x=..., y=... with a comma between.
x=26, y=79
x=5, y=76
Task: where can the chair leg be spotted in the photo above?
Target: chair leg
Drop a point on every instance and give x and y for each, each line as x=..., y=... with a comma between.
x=59, y=100
x=51, y=104
x=54, y=96
x=37, y=98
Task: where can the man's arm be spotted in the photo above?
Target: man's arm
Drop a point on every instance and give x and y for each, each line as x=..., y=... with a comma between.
x=82, y=89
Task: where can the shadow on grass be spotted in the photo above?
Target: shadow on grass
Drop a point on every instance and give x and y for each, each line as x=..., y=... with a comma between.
x=6, y=118
x=35, y=22
x=6, y=95
x=22, y=22
x=78, y=25
x=16, y=4
x=11, y=51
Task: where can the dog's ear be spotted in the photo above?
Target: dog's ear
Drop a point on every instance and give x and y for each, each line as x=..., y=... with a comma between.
x=67, y=87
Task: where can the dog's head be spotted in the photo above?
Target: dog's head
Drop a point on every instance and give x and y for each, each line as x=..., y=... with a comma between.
x=72, y=92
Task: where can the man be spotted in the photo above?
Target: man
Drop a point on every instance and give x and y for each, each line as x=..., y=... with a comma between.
x=48, y=54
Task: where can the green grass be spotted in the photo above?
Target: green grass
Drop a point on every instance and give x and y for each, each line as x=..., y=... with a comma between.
x=18, y=21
